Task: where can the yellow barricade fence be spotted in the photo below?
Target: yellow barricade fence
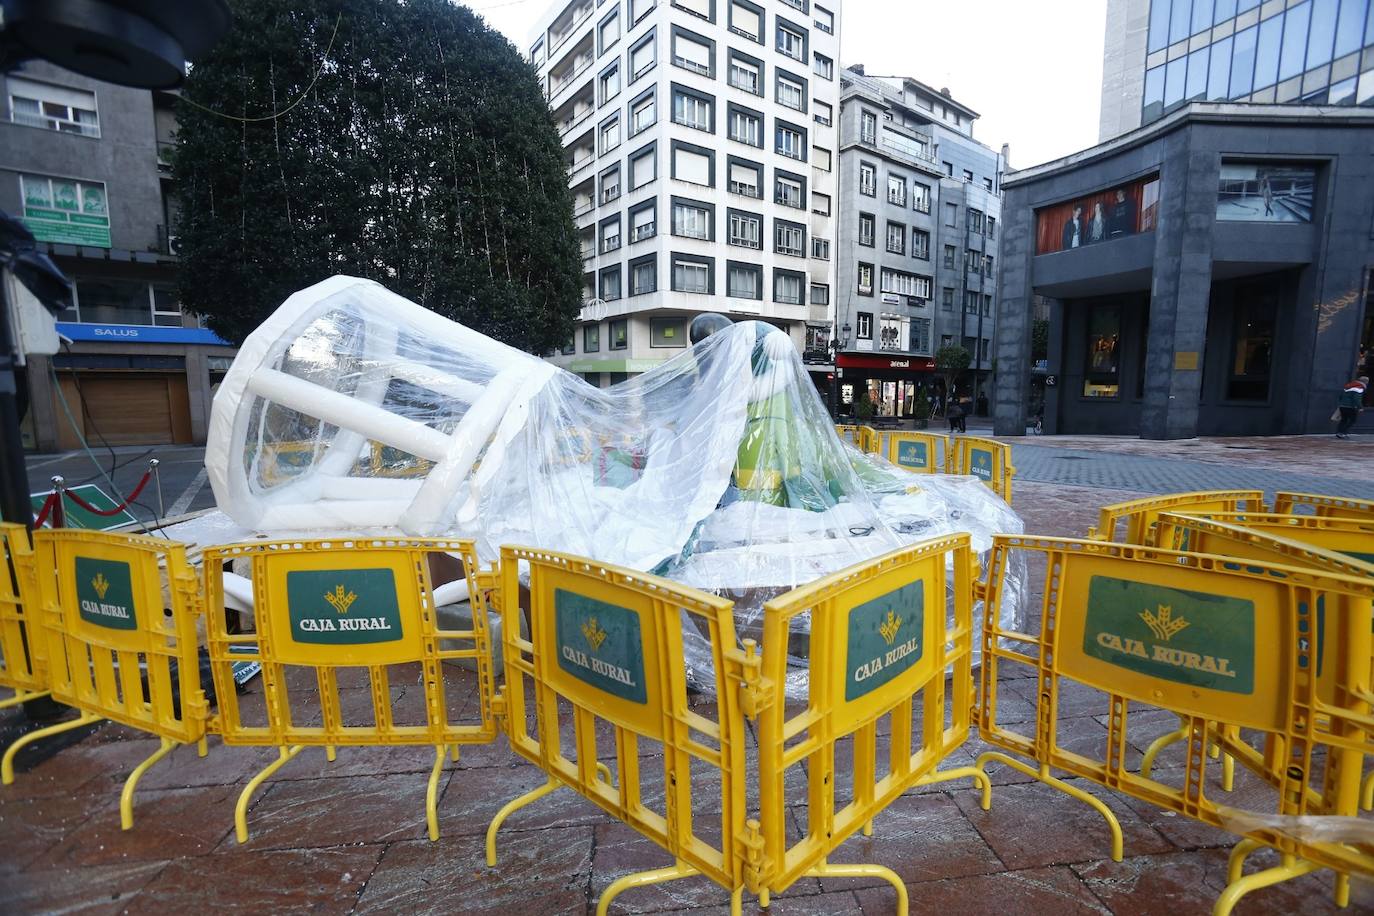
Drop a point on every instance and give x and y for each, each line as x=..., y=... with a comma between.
x=604, y=664
x=350, y=613
x=1231, y=648
x=986, y=459
x=1140, y=515
x=1286, y=503
x=922, y=452
x=879, y=647
x=114, y=647
x=864, y=438
x=21, y=664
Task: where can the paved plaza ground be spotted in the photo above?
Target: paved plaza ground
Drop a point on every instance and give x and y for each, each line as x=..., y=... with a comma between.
x=350, y=836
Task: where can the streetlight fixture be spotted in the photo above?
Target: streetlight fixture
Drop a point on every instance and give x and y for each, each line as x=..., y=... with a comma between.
x=837, y=343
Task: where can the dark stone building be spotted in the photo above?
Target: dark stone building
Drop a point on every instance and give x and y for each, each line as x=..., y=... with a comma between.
x=1208, y=274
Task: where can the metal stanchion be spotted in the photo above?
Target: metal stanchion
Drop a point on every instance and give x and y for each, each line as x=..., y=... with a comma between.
x=157, y=479
x=59, y=509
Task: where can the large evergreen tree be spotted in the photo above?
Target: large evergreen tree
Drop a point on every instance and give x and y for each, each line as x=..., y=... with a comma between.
x=423, y=157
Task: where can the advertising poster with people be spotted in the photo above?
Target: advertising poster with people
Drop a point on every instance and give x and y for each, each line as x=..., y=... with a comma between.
x=1266, y=192
x=1118, y=212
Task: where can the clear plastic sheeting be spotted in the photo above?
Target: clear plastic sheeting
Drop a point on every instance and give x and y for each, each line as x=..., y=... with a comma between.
x=354, y=410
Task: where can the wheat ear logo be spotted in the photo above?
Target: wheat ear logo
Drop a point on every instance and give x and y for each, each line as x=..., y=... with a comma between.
x=889, y=627
x=1164, y=625
x=101, y=585
x=593, y=633
x=341, y=600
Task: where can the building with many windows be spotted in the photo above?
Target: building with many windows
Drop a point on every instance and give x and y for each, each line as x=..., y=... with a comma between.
x=82, y=164
x=919, y=208
x=700, y=138
x=1161, y=54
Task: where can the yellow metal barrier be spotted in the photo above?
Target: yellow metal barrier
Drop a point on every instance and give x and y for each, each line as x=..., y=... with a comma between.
x=605, y=658
x=864, y=438
x=1223, y=644
x=1140, y=515
x=21, y=665
x=986, y=459
x=111, y=651
x=1316, y=504
x=922, y=452
x=880, y=649
x=354, y=608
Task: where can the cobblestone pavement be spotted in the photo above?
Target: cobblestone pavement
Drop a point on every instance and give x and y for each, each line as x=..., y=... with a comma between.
x=349, y=837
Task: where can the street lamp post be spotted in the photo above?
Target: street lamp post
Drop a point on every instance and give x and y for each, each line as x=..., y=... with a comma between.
x=836, y=344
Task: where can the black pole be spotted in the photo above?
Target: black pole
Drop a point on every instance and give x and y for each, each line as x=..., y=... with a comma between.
x=14, y=479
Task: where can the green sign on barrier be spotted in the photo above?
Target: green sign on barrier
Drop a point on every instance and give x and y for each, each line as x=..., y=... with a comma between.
x=76, y=517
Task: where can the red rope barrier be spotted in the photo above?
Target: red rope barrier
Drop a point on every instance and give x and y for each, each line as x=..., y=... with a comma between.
x=44, y=512
x=71, y=494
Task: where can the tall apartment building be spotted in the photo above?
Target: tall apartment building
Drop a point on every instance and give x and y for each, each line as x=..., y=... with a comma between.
x=83, y=164
x=919, y=207
x=700, y=139
x=1161, y=54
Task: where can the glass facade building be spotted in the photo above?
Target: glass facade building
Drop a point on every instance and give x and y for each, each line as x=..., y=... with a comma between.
x=1318, y=52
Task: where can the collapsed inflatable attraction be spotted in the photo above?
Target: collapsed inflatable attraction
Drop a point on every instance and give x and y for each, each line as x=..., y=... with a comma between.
x=353, y=410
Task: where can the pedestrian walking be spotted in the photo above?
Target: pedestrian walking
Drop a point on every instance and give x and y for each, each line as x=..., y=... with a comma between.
x=954, y=412
x=1348, y=405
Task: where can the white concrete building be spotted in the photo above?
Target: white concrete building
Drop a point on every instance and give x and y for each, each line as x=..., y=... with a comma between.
x=701, y=143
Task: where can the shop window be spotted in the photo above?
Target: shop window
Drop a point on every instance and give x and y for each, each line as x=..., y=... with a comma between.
x=620, y=334
x=667, y=332
x=1102, y=366
x=1252, y=346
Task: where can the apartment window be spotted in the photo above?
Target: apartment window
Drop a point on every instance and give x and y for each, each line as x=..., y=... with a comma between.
x=920, y=335
x=693, y=109
x=946, y=340
x=570, y=347
x=608, y=32
x=643, y=279
x=692, y=274
x=743, y=281
x=788, y=286
x=610, y=133
x=820, y=248
x=643, y=166
x=825, y=20
x=610, y=233
x=791, y=40
x=746, y=178
x=820, y=158
x=789, y=238
x=947, y=299
x=864, y=326
x=790, y=140
x=823, y=113
x=820, y=294
x=620, y=327
x=823, y=67
x=868, y=127
x=639, y=9
x=110, y=301
x=896, y=190
x=745, y=230
x=789, y=189
x=975, y=221
x=865, y=276
x=896, y=238
x=537, y=53
x=796, y=4
x=746, y=73
x=971, y=302
x=667, y=332
x=920, y=197
x=693, y=52
x=968, y=176
x=610, y=184
x=695, y=164
x=746, y=19
x=866, y=230
x=790, y=91
x=642, y=57
x=692, y=219
x=992, y=227
x=70, y=111
x=643, y=220
x=706, y=9
x=745, y=125
x=609, y=82
x=951, y=214
x=987, y=305
x=868, y=180
x=920, y=244
x=643, y=113
x=610, y=290
x=987, y=184
x=987, y=265
x=973, y=260
x=949, y=257
x=820, y=203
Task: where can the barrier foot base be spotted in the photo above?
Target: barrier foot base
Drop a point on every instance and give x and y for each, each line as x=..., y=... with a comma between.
x=980, y=779
x=865, y=870
x=432, y=793
x=1235, y=862
x=1289, y=868
x=512, y=806
x=22, y=696
x=7, y=763
x=126, y=797
x=1367, y=793
x=241, y=809
x=1043, y=775
x=202, y=747
x=1147, y=762
x=658, y=876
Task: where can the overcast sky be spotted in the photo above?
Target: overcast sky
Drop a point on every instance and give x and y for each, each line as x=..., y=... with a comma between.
x=1031, y=68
